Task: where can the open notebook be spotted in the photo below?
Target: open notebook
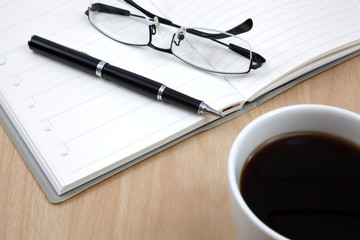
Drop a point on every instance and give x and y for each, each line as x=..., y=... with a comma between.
x=74, y=129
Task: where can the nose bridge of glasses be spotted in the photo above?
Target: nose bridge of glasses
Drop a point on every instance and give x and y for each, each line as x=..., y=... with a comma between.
x=161, y=35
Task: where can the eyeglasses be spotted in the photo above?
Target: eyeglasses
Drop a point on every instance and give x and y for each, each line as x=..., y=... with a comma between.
x=210, y=50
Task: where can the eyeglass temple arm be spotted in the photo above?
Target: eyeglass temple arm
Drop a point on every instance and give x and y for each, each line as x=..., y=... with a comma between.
x=241, y=28
x=100, y=7
x=256, y=59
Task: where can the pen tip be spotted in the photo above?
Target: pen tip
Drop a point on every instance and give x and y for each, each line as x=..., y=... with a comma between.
x=206, y=109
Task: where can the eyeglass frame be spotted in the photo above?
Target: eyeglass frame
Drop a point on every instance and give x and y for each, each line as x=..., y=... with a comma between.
x=256, y=60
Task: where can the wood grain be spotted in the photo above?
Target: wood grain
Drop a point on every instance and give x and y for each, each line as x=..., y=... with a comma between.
x=180, y=193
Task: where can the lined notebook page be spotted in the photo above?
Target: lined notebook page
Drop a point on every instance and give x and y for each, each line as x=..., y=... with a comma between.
x=79, y=126
x=288, y=33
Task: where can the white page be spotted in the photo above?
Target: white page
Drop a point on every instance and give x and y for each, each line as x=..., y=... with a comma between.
x=288, y=33
x=79, y=126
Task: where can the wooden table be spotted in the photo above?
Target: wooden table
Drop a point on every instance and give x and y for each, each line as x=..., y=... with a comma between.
x=180, y=193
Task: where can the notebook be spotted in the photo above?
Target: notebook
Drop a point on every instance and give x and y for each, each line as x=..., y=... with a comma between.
x=74, y=130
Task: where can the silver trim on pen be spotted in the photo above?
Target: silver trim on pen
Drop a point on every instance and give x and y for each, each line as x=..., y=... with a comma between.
x=160, y=92
x=99, y=68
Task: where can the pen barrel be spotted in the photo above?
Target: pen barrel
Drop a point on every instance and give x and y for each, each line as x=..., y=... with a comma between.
x=148, y=87
x=131, y=80
x=181, y=100
x=64, y=54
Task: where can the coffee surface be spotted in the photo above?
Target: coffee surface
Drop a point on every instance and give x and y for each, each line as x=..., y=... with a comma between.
x=305, y=185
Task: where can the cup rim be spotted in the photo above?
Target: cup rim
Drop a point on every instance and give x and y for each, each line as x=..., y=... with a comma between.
x=234, y=182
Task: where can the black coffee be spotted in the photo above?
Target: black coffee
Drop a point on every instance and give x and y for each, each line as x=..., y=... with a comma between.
x=305, y=186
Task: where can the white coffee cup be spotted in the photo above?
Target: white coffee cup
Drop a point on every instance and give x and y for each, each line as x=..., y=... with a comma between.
x=308, y=117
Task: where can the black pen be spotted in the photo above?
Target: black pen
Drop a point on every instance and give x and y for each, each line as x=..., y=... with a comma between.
x=120, y=76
